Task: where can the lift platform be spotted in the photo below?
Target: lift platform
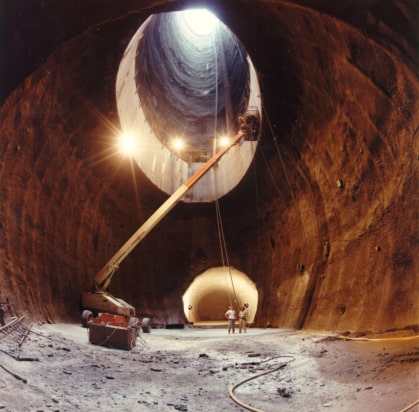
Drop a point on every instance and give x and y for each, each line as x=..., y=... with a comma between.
x=111, y=321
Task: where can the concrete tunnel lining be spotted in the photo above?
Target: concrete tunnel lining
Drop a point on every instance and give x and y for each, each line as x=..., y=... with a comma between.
x=212, y=291
x=152, y=106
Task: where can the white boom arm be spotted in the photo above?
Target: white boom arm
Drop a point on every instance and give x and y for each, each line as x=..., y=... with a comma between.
x=103, y=278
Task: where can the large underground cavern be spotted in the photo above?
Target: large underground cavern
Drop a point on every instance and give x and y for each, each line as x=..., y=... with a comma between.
x=336, y=88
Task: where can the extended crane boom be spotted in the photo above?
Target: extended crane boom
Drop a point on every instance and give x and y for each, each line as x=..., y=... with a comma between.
x=98, y=299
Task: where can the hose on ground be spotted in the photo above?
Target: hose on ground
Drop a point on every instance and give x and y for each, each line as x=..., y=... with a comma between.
x=410, y=406
x=342, y=337
x=234, y=387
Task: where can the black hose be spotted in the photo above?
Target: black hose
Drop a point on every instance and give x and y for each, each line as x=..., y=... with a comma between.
x=234, y=387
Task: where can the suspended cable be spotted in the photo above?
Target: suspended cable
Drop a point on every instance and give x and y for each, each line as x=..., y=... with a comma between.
x=257, y=205
x=270, y=173
x=278, y=151
x=221, y=237
x=224, y=250
x=214, y=146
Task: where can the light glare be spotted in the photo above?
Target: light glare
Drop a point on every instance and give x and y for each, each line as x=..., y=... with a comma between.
x=128, y=143
x=178, y=143
x=224, y=141
x=200, y=21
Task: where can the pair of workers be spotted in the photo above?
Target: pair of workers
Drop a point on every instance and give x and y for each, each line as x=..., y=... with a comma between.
x=231, y=317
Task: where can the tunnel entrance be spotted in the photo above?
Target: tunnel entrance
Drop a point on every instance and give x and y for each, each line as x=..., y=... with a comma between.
x=174, y=84
x=208, y=296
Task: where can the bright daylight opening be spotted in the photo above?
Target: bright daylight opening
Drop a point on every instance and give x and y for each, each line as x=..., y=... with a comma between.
x=200, y=21
x=174, y=83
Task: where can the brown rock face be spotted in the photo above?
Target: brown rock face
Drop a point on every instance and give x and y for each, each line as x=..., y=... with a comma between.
x=337, y=161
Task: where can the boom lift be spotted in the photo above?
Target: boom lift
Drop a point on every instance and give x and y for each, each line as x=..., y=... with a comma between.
x=109, y=317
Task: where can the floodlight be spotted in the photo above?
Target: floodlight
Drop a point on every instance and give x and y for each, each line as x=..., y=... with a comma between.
x=128, y=143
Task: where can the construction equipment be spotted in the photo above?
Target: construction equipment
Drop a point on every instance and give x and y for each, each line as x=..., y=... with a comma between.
x=98, y=304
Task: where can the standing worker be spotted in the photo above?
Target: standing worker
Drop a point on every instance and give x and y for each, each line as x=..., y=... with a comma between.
x=242, y=319
x=145, y=325
x=231, y=316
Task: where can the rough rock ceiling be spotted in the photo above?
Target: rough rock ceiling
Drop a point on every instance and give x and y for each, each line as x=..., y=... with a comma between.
x=337, y=161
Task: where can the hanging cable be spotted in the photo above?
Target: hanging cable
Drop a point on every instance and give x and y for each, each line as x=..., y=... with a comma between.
x=223, y=247
x=221, y=237
x=278, y=151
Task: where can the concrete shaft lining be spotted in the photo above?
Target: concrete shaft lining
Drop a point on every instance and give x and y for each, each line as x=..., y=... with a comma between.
x=162, y=166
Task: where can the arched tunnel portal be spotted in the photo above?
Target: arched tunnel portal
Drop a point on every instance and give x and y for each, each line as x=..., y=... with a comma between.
x=210, y=294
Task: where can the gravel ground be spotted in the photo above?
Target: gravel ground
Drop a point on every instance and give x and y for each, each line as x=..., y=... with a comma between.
x=194, y=369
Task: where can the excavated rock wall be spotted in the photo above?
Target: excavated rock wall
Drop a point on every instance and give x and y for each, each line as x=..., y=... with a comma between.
x=345, y=171
x=337, y=162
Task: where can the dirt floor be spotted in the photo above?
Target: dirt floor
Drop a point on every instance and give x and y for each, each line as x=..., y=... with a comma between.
x=194, y=369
